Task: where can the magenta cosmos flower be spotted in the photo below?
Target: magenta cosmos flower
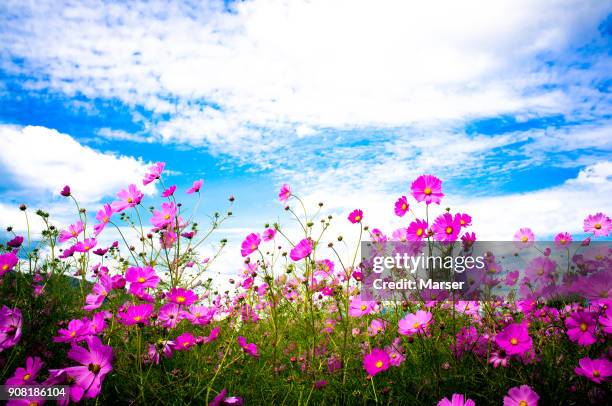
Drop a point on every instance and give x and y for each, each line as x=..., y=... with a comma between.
x=166, y=216
x=200, y=315
x=540, y=269
x=401, y=206
x=95, y=365
x=563, y=240
x=524, y=237
x=417, y=230
x=98, y=293
x=195, y=188
x=136, y=314
x=427, y=188
x=86, y=245
x=181, y=296
x=27, y=375
x=521, y=396
x=10, y=327
x=169, y=315
x=169, y=192
x=285, y=193
x=581, y=328
x=7, y=262
x=355, y=216
x=302, y=249
x=376, y=361
x=268, y=234
x=154, y=173
x=250, y=244
x=141, y=278
x=184, y=342
x=597, y=370
x=414, y=323
x=73, y=231
x=223, y=399
x=127, y=198
x=249, y=348
x=446, y=227
x=514, y=339
x=456, y=400
x=103, y=217
x=359, y=308
x=599, y=224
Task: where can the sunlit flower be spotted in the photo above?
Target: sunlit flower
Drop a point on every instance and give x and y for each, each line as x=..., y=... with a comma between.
x=73, y=231
x=599, y=224
x=414, y=323
x=181, y=296
x=154, y=173
x=401, y=206
x=250, y=244
x=302, y=249
x=195, y=188
x=7, y=262
x=136, y=314
x=355, y=216
x=169, y=192
x=563, y=240
x=428, y=189
x=85, y=245
x=417, y=230
x=524, y=237
x=581, y=328
x=268, y=234
x=95, y=365
x=456, y=399
x=514, y=339
x=376, y=361
x=285, y=193
x=446, y=227
x=249, y=348
x=166, y=216
x=597, y=370
x=127, y=198
x=521, y=396
x=27, y=375
x=359, y=308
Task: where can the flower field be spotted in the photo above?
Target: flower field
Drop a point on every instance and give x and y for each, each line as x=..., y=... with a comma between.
x=140, y=321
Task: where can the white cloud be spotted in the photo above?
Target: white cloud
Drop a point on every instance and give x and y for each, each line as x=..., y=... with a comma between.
x=120, y=135
x=39, y=161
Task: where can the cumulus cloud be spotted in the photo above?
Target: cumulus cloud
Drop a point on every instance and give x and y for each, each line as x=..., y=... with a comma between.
x=36, y=162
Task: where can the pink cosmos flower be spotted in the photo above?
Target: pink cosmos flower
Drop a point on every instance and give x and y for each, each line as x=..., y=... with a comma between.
x=141, y=278
x=605, y=320
x=250, y=244
x=465, y=220
x=85, y=245
x=446, y=227
x=540, y=269
x=169, y=192
x=302, y=249
x=376, y=361
x=127, y=198
x=324, y=268
x=195, y=188
x=376, y=326
x=563, y=240
x=414, y=323
x=427, y=188
x=511, y=278
x=214, y=333
x=456, y=400
x=166, y=216
x=182, y=297
x=250, y=349
x=417, y=230
x=27, y=375
x=223, y=399
x=524, y=237
x=99, y=292
x=73, y=231
x=169, y=315
x=521, y=396
x=359, y=308
x=581, y=328
x=15, y=242
x=76, y=331
x=200, y=315
x=154, y=173
x=136, y=314
x=401, y=206
x=467, y=240
x=597, y=370
x=10, y=327
x=285, y=193
x=268, y=234
x=7, y=263
x=95, y=365
x=599, y=224
x=514, y=339
x=355, y=216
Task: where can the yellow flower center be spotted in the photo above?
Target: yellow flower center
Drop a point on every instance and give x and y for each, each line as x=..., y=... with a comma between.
x=180, y=299
x=186, y=344
x=394, y=355
x=524, y=238
x=253, y=247
x=563, y=241
x=419, y=232
x=379, y=364
x=596, y=373
x=105, y=219
x=404, y=207
x=597, y=226
x=363, y=307
x=449, y=230
x=416, y=325
x=523, y=403
x=72, y=333
x=462, y=222
x=130, y=200
x=74, y=233
x=137, y=318
x=5, y=267
x=26, y=377
x=167, y=217
x=357, y=218
x=86, y=248
x=583, y=327
x=427, y=191
x=141, y=279
x=514, y=341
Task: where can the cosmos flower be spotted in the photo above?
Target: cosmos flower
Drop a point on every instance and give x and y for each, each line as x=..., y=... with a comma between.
x=285, y=193
x=524, y=237
x=249, y=348
x=15, y=242
x=85, y=245
x=169, y=192
x=195, y=188
x=76, y=331
x=250, y=244
x=467, y=240
x=457, y=399
x=141, y=278
x=581, y=328
x=512, y=278
x=302, y=249
x=95, y=365
x=446, y=227
x=169, y=315
x=27, y=375
x=376, y=326
x=65, y=191
x=359, y=308
x=599, y=224
x=7, y=262
x=73, y=231
x=181, y=296
x=521, y=396
x=597, y=370
x=605, y=320
x=127, y=198
x=465, y=220
x=214, y=333
x=99, y=292
x=200, y=315
x=268, y=234
x=563, y=240
x=154, y=173
x=514, y=339
x=540, y=269
x=428, y=189
x=401, y=206
x=166, y=216
x=376, y=361
x=414, y=323
x=223, y=399
x=355, y=216
x=136, y=314
x=10, y=327
x=417, y=230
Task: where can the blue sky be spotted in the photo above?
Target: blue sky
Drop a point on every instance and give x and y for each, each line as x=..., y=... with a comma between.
x=508, y=103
